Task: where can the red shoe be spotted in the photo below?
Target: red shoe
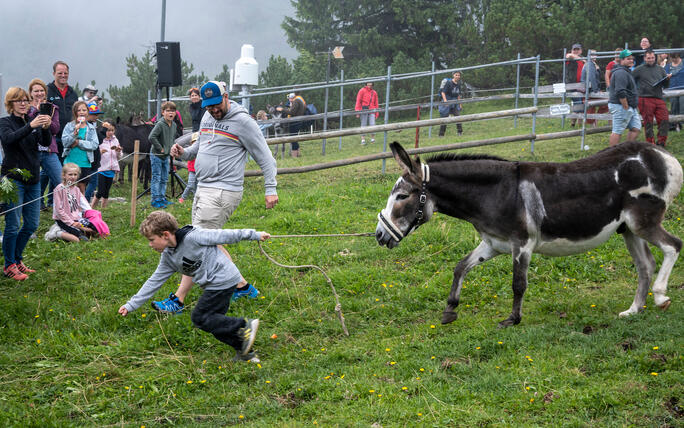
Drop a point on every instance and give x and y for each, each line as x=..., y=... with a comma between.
x=181, y=200
x=12, y=271
x=23, y=268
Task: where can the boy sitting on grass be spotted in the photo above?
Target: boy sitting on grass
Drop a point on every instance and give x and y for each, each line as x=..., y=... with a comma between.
x=193, y=251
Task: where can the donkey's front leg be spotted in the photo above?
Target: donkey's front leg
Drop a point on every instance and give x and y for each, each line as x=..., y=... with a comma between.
x=521, y=262
x=481, y=254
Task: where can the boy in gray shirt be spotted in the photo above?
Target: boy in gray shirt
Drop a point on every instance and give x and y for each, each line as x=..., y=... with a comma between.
x=194, y=252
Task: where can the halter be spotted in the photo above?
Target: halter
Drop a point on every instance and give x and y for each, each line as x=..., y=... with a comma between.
x=391, y=228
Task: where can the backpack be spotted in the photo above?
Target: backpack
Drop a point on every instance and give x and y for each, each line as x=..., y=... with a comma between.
x=311, y=109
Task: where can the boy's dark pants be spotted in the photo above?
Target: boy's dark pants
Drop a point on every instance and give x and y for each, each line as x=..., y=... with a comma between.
x=210, y=315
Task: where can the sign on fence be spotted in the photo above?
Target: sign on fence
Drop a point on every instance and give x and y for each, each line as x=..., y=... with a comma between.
x=559, y=88
x=559, y=109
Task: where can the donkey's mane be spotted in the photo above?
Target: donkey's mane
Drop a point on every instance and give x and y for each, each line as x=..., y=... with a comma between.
x=446, y=157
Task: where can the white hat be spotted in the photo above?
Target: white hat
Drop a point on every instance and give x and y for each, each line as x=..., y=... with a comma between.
x=291, y=95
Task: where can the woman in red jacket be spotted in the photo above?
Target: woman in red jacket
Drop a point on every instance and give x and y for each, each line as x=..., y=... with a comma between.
x=367, y=99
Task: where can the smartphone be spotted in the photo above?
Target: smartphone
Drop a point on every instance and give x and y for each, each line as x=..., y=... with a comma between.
x=45, y=108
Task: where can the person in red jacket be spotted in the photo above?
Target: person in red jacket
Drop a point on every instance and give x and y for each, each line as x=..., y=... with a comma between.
x=367, y=99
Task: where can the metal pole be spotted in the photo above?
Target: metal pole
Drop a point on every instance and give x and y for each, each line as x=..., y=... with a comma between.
x=517, y=91
x=325, y=110
x=565, y=51
x=149, y=101
x=339, y=146
x=163, y=28
x=586, y=96
x=536, y=94
x=432, y=96
x=387, y=99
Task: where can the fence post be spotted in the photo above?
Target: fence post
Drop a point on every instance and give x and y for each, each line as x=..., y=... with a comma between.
x=517, y=91
x=432, y=96
x=417, y=127
x=339, y=146
x=536, y=94
x=134, y=181
x=149, y=97
x=565, y=51
x=387, y=99
x=325, y=109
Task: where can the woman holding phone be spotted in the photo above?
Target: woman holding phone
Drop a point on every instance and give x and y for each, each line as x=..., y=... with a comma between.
x=80, y=141
x=21, y=138
x=50, y=166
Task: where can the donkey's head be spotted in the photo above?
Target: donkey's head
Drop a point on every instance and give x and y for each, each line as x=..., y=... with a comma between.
x=408, y=205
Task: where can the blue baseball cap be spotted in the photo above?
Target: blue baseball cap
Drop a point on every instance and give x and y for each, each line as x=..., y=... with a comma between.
x=93, y=108
x=212, y=93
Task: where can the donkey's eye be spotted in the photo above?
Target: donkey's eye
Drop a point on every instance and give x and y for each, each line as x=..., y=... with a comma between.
x=401, y=197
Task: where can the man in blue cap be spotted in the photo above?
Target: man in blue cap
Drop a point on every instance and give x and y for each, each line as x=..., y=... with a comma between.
x=227, y=134
x=623, y=100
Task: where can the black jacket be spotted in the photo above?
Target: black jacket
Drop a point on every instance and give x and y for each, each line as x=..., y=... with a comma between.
x=65, y=104
x=196, y=112
x=622, y=85
x=20, y=143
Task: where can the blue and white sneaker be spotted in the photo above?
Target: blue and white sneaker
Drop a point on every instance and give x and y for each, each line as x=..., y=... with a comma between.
x=250, y=292
x=157, y=204
x=165, y=203
x=171, y=305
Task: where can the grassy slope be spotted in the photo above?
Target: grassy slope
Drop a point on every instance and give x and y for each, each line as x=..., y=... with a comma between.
x=68, y=359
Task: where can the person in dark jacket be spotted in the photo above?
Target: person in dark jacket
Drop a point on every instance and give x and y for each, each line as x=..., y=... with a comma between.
x=196, y=109
x=297, y=108
x=63, y=96
x=623, y=100
x=651, y=79
x=20, y=140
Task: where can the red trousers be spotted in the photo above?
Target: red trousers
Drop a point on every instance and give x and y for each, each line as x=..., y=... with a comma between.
x=650, y=108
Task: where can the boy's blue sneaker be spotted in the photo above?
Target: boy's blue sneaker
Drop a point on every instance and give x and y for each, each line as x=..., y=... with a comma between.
x=250, y=292
x=157, y=204
x=171, y=305
x=165, y=203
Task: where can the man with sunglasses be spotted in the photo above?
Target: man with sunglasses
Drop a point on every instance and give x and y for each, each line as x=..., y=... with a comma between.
x=227, y=134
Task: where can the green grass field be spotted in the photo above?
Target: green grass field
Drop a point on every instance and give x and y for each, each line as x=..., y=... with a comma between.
x=68, y=358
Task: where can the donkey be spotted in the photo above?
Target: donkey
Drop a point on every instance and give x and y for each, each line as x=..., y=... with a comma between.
x=556, y=209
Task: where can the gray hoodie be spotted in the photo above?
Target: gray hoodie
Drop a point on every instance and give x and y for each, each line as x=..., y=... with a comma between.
x=221, y=152
x=196, y=254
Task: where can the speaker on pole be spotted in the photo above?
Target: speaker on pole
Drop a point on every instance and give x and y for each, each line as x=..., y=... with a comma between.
x=168, y=64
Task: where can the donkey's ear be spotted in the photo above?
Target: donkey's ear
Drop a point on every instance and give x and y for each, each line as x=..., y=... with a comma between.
x=403, y=159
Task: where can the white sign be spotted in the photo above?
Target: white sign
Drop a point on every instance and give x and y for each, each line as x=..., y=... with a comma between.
x=337, y=52
x=559, y=109
x=559, y=88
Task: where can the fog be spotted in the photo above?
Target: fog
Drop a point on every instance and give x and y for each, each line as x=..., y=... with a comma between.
x=95, y=37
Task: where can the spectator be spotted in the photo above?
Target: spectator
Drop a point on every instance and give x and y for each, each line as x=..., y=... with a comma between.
x=662, y=59
x=20, y=140
x=70, y=225
x=196, y=109
x=297, y=108
x=94, y=110
x=452, y=90
x=80, y=141
x=674, y=68
x=623, y=100
x=191, y=185
x=110, y=151
x=639, y=58
x=367, y=99
x=51, y=168
x=610, y=66
x=573, y=73
x=89, y=94
x=221, y=157
x=591, y=72
x=63, y=96
x=651, y=79
x=161, y=138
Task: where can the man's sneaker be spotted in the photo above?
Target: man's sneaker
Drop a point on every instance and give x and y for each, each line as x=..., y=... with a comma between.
x=251, y=357
x=157, y=204
x=165, y=203
x=171, y=305
x=12, y=271
x=372, y=140
x=250, y=292
x=248, y=334
x=23, y=268
x=363, y=142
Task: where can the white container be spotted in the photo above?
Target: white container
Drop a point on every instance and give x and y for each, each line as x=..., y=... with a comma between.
x=246, y=68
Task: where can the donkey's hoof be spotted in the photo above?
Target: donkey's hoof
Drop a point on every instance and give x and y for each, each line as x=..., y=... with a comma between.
x=448, y=317
x=509, y=322
x=665, y=304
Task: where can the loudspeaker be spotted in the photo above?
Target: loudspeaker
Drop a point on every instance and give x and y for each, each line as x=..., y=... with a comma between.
x=168, y=64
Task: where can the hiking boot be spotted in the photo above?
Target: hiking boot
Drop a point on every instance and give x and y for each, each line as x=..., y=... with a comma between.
x=248, y=334
x=250, y=292
x=170, y=305
x=23, y=268
x=12, y=271
x=250, y=357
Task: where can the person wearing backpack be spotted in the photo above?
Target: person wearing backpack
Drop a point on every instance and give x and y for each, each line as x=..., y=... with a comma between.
x=297, y=108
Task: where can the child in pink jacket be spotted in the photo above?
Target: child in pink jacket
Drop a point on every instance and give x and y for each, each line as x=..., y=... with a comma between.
x=110, y=150
x=67, y=210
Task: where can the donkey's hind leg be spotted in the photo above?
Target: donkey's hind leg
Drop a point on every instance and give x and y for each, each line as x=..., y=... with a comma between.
x=481, y=254
x=521, y=263
x=645, y=265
